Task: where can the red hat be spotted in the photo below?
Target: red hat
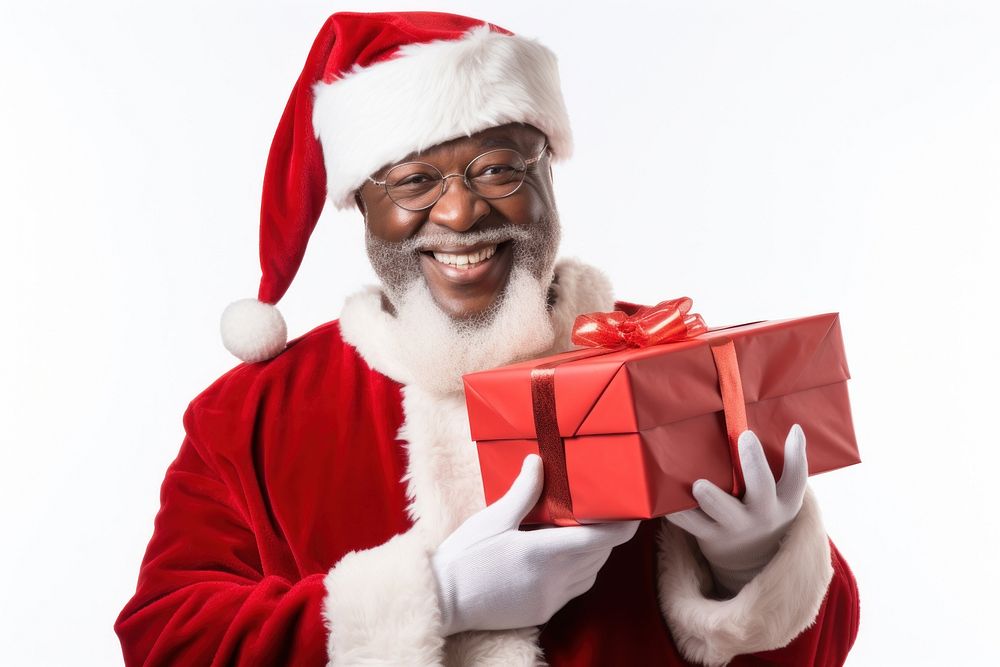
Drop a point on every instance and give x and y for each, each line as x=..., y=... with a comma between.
x=376, y=87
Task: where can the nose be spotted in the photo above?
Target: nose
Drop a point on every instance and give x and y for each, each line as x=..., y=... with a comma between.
x=458, y=209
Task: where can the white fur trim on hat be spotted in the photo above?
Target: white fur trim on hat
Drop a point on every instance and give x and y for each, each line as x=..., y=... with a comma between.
x=768, y=613
x=432, y=92
x=253, y=330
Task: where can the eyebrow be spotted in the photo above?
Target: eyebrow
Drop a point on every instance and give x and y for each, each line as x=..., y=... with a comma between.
x=498, y=142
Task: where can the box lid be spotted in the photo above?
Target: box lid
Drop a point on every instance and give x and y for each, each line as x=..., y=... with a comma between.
x=636, y=389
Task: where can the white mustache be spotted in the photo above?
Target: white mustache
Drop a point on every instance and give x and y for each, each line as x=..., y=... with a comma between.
x=465, y=239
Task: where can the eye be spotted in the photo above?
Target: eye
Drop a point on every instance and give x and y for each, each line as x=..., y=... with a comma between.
x=497, y=170
x=498, y=167
x=414, y=179
x=496, y=173
x=411, y=172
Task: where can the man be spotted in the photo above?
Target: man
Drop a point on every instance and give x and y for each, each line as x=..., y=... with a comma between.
x=326, y=504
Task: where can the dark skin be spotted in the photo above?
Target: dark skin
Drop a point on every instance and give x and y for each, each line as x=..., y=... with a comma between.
x=463, y=293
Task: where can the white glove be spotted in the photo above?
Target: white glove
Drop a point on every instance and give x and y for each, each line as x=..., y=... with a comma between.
x=738, y=538
x=492, y=576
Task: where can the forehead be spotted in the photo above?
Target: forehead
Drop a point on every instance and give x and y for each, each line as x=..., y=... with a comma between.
x=523, y=138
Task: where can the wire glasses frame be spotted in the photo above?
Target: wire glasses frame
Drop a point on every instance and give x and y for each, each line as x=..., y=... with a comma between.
x=484, y=187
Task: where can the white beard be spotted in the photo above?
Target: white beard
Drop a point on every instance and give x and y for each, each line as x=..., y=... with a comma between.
x=438, y=351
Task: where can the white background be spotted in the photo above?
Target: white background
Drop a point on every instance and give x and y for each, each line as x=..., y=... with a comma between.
x=769, y=159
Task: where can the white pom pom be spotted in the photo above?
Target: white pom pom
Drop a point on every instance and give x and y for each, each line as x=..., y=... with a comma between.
x=253, y=330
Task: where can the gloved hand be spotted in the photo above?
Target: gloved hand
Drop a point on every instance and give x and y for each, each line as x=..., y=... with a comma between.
x=738, y=538
x=492, y=576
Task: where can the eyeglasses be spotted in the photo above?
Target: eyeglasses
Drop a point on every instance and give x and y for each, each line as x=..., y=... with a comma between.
x=416, y=186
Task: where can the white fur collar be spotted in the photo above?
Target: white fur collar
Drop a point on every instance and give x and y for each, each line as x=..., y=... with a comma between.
x=579, y=288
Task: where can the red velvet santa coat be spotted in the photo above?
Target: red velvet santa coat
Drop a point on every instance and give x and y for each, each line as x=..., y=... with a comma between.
x=297, y=521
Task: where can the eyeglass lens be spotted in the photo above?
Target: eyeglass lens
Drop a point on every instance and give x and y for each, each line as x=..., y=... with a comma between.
x=418, y=185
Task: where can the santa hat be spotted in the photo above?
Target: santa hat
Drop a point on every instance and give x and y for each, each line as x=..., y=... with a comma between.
x=376, y=87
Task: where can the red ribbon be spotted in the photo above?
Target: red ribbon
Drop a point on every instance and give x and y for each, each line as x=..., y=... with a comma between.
x=633, y=326
x=639, y=326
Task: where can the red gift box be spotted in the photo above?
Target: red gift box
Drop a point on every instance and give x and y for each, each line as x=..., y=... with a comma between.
x=626, y=432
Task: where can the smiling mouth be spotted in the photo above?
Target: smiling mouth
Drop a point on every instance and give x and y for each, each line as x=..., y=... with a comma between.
x=466, y=259
x=468, y=267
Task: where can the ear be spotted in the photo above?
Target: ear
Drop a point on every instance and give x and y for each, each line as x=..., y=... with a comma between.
x=360, y=202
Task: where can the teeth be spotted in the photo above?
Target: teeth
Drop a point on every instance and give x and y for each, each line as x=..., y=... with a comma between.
x=467, y=260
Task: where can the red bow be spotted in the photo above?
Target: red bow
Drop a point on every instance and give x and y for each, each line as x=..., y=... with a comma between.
x=639, y=326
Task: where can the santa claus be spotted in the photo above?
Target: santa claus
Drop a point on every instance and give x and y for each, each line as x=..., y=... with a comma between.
x=326, y=505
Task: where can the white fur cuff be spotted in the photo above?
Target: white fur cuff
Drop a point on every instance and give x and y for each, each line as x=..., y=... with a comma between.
x=768, y=613
x=381, y=606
